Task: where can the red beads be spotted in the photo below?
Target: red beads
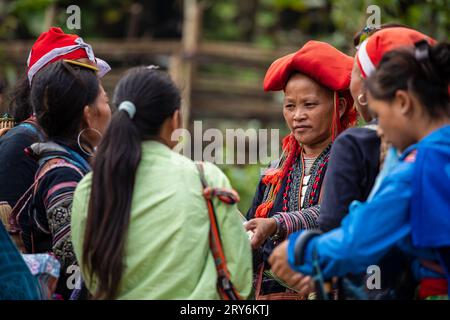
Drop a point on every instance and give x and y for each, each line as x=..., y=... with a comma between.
x=285, y=194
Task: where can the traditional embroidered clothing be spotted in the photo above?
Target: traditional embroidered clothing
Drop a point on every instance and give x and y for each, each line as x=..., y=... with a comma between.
x=45, y=219
x=167, y=253
x=290, y=190
x=364, y=237
x=45, y=268
x=16, y=168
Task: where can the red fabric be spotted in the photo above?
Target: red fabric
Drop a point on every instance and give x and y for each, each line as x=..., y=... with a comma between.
x=52, y=39
x=275, y=177
x=326, y=65
x=318, y=60
x=390, y=39
x=432, y=287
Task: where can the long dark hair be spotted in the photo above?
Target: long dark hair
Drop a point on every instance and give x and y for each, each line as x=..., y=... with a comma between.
x=423, y=70
x=59, y=93
x=156, y=98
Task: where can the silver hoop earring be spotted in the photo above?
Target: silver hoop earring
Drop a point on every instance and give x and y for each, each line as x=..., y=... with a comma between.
x=362, y=102
x=90, y=154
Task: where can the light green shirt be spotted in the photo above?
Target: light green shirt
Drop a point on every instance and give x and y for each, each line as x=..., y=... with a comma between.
x=167, y=253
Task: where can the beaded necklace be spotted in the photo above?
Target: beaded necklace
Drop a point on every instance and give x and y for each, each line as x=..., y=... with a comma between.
x=314, y=188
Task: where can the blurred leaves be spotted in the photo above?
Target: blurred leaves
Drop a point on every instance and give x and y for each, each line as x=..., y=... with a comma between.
x=244, y=179
x=292, y=22
x=264, y=23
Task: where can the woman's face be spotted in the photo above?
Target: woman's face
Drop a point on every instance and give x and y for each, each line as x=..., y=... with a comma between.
x=357, y=89
x=395, y=125
x=308, y=110
x=98, y=116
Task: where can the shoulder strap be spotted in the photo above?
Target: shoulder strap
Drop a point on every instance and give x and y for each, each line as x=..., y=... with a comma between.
x=224, y=284
x=24, y=200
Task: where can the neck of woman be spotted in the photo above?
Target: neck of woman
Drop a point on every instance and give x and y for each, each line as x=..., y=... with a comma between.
x=429, y=126
x=314, y=150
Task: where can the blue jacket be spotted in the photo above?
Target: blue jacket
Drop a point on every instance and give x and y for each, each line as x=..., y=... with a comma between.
x=372, y=228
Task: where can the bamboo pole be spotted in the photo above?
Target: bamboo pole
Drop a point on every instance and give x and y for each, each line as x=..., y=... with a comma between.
x=49, y=20
x=190, y=45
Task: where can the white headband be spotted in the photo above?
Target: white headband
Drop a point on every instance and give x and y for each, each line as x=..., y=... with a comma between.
x=364, y=59
x=128, y=107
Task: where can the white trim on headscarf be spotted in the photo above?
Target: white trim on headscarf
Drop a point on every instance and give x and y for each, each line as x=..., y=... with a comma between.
x=364, y=60
x=54, y=53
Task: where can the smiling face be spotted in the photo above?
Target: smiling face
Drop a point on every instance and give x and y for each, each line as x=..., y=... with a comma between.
x=308, y=110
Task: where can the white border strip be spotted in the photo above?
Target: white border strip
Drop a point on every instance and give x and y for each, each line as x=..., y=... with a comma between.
x=364, y=59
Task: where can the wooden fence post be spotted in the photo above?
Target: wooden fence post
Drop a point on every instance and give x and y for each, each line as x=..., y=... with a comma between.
x=190, y=43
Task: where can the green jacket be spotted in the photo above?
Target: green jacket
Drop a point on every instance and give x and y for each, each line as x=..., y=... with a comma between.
x=167, y=253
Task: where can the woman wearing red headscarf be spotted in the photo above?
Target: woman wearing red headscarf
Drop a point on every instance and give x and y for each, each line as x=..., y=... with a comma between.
x=51, y=46
x=49, y=231
x=317, y=107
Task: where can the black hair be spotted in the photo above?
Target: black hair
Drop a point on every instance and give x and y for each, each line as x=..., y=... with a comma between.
x=423, y=70
x=59, y=93
x=155, y=98
x=20, y=105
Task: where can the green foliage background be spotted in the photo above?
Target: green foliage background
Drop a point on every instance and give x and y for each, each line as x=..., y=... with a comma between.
x=263, y=23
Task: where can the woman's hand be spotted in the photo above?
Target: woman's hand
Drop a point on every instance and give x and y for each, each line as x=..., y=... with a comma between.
x=262, y=229
x=280, y=267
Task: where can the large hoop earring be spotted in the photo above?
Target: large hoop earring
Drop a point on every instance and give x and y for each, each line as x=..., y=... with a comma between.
x=90, y=154
x=362, y=102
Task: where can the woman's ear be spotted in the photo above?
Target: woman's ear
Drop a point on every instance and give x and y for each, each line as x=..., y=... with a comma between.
x=88, y=116
x=342, y=105
x=403, y=101
x=175, y=120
